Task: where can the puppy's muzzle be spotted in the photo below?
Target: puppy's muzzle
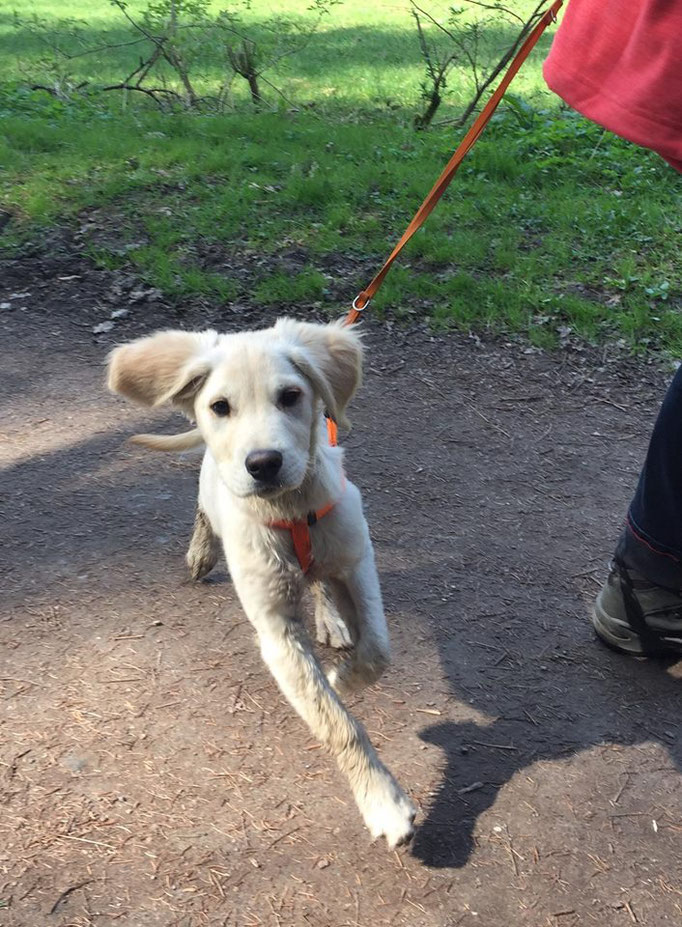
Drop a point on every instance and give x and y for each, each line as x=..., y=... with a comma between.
x=264, y=466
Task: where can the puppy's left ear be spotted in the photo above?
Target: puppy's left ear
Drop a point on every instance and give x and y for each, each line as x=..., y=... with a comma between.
x=332, y=360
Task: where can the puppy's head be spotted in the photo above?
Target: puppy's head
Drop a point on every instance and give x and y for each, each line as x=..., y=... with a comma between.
x=255, y=396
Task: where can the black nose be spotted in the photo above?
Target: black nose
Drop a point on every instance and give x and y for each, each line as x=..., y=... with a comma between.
x=264, y=465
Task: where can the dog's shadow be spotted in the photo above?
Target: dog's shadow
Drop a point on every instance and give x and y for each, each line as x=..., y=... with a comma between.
x=482, y=759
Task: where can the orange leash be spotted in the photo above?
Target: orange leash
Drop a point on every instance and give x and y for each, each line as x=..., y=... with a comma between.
x=332, y=431
x=361, y=301
x=300, y=530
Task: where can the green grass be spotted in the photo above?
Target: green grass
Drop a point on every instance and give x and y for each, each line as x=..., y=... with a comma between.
x=550, y=223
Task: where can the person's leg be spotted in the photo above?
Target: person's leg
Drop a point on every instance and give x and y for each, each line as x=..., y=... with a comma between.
x=652, y=540
x=639, y=609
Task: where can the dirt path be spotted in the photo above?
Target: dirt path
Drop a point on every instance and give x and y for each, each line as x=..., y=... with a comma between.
x=150, y=773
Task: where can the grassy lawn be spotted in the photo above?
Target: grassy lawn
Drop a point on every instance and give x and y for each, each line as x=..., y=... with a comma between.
x=550, y=224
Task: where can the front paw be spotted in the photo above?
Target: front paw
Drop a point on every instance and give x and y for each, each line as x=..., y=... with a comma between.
x=357, y=672
x=387, y=810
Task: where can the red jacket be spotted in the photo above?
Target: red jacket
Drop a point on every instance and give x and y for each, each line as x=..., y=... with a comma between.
x=619, y=62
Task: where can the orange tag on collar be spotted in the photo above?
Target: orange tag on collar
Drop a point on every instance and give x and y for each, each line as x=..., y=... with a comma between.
x=332, y=432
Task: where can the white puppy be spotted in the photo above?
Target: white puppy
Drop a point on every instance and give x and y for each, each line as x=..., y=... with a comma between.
x=257, y=399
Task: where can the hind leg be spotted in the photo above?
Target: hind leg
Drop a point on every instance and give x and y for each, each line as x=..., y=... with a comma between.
x=331, y=630
x=204, y=548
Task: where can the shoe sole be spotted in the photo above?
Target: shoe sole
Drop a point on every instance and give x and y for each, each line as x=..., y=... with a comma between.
x=616, y=634
x=619, y=636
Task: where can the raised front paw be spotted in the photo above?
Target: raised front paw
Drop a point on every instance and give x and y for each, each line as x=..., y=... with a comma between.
x=387, y=810
x=362, y=668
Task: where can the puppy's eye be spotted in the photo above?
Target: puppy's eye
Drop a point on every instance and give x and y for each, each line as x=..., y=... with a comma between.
x=289, y=397
x=221, y=408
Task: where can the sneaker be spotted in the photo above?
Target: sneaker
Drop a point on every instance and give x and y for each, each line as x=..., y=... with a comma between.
x=634, y=616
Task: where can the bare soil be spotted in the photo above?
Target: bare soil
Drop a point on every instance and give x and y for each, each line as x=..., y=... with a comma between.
x=150, y=772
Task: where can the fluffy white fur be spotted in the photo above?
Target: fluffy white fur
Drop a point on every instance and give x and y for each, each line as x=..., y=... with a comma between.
x=252, y=372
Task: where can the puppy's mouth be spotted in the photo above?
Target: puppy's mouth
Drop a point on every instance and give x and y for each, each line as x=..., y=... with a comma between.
x=272, y=490
x=268, y=490
x=265, y=490
x=245, y=488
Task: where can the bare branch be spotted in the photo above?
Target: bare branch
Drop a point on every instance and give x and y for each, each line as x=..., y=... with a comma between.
x=432, y=20
x=149, y=91
x=53, y=91
x=426, y=52
x=467, y=45
x=122, y=7
x=497, y=8
x=97, y=49
x=293, y=106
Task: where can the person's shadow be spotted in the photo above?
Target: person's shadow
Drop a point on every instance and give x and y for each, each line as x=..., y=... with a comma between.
x=607, y=698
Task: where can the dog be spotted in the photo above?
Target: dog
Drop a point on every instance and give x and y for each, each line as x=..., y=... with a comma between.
x=271, y=484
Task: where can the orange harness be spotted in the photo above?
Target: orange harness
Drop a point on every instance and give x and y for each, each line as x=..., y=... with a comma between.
x=300, y=530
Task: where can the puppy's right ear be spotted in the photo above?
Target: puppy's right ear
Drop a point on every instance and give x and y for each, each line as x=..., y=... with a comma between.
x=169, y=366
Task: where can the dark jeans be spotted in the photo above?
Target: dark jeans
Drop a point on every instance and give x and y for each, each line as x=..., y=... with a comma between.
x=651, y=542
